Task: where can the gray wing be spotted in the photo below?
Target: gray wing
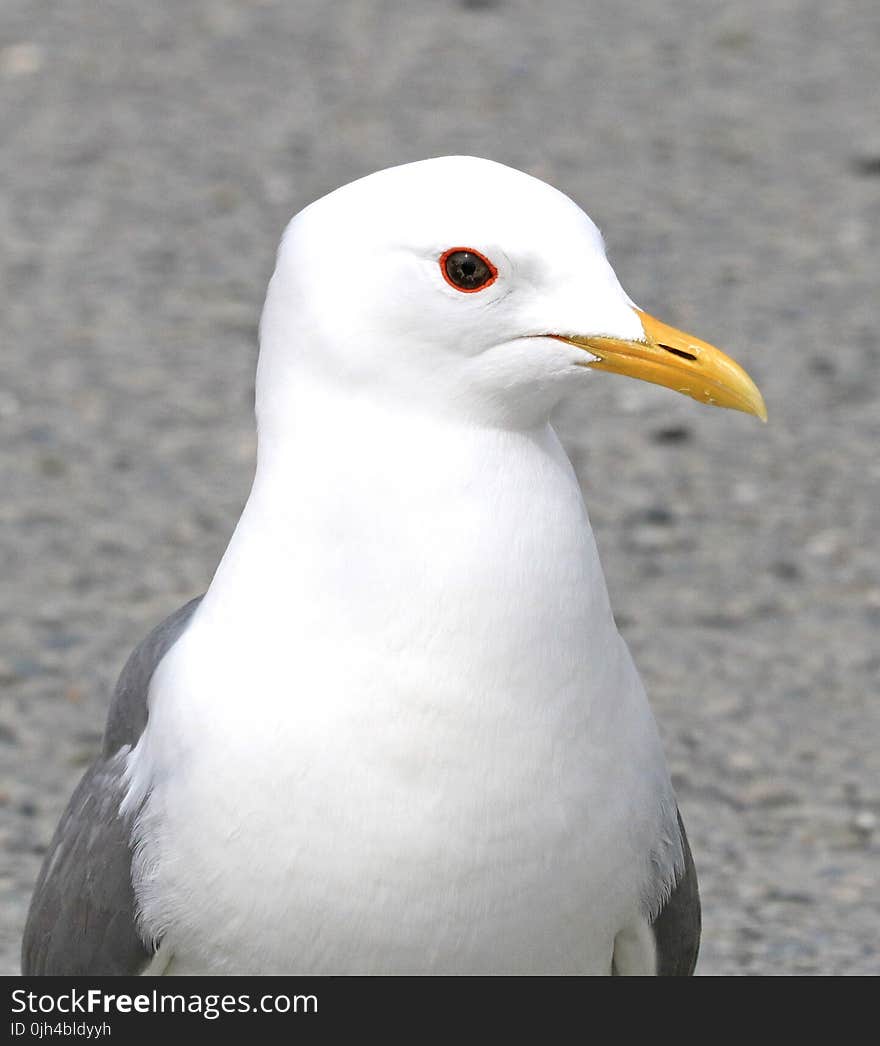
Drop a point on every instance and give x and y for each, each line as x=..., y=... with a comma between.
x=677, y=926
x=82, y=918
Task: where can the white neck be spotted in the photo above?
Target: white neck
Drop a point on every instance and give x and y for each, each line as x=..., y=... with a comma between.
x=419, y=512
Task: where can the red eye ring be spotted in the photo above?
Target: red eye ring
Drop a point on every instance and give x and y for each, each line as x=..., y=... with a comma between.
x=467, y=270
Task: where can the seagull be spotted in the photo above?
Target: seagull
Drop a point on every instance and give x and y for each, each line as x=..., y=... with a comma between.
x=400, y=733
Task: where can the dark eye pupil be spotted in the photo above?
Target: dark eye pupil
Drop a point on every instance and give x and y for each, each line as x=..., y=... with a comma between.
x=466, y=270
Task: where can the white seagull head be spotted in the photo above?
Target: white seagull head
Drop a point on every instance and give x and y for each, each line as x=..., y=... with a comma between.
x=468, y=287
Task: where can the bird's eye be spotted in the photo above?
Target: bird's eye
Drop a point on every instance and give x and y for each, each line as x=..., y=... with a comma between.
x=466, y=269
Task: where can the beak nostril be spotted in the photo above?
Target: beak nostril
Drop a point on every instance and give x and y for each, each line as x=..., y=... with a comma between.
x=677, y=352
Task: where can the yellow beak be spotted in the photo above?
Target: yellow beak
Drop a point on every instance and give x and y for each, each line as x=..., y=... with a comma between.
x=679, y=361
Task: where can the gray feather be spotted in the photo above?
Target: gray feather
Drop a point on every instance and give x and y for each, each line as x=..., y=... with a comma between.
x=83, y=914
x=677, y=926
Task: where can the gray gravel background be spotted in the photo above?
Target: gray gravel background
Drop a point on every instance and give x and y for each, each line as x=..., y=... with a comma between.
x=151, y=154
